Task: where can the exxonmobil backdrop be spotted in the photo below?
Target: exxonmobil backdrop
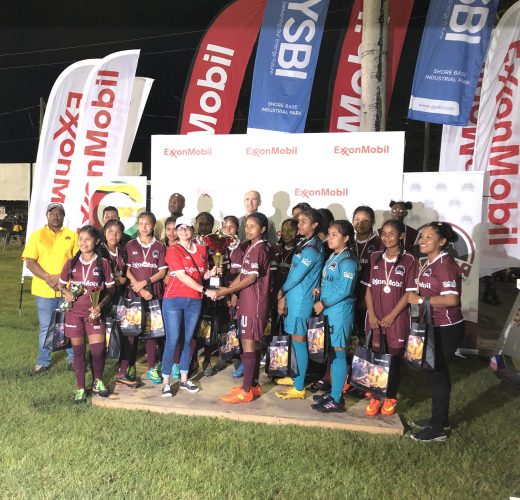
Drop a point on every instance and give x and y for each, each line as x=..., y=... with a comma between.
x=345, y=104
x=497, y=147
x=212, y=90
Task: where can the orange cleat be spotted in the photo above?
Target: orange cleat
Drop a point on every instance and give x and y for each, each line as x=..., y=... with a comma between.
x=239, y=396
x=389, y=407
x=257, y=390
x=373, y=408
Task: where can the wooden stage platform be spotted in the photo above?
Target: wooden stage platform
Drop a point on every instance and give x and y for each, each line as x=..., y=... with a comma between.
x=267, y=409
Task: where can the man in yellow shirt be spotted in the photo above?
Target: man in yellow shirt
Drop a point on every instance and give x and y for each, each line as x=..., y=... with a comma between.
x=46, y=252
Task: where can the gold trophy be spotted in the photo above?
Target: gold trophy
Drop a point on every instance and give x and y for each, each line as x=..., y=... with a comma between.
x=94, y=298
x=218, y=242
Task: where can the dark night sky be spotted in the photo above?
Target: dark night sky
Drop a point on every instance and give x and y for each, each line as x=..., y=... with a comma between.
x=169, y=33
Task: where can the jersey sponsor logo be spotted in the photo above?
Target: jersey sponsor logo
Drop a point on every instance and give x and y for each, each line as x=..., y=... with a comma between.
x=449, y=284
x=424, y=285
x=87, y=283
x=400, y=270
x=254, y=265
x=306, y=262
x=349, y=275
x=150, y=265
x=377, y=281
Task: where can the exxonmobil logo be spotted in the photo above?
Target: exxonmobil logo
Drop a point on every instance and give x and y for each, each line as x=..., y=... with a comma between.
x=178, y=152
x=213, y=85
x=361, y=150
x=324, y=191
x=273, y=150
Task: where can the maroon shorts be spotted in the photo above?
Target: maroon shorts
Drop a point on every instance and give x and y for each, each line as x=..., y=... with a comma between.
x=251, y=328
x=76, y=326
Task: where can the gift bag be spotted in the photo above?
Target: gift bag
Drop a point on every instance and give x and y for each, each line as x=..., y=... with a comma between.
x=371, y=370
x=420, y=347
x=208, y=328
x=154, y=324
x=229, y=343
x=318, y=338
x=56, y=339
x=112, y=339
x=280, y=358
x=130, y=317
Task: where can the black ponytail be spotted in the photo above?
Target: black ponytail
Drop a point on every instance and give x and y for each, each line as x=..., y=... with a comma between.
x=73, y=263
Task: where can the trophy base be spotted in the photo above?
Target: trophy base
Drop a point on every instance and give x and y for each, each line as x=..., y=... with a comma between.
x=214, y=282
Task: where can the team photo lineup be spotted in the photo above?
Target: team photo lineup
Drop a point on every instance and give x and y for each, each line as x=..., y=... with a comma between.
x=305, y=293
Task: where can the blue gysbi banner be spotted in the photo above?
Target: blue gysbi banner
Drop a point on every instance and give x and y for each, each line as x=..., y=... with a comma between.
x=286, y=58
x=453, y=47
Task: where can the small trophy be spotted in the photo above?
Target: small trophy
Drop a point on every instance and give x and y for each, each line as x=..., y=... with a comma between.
x=94, y=298
x=218, y=242
x=76, y=290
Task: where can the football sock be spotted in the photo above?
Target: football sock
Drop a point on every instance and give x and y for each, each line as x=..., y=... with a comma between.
x=98, y=359
x=78, y=352
x=302, y=359
x=150, y=352
x=249, y=360
x=338, y=371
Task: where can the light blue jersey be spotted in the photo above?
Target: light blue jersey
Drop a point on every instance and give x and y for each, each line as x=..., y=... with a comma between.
x=303, y=277
x=338, y=295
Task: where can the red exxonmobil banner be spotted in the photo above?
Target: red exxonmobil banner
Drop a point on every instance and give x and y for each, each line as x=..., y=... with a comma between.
x=211, y=94
x=345, y=104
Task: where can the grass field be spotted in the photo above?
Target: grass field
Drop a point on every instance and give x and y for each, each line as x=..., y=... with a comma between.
x=50, y=448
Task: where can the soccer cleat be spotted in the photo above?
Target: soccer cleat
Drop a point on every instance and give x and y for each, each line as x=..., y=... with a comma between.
x=426, y=422
x=176, y=371
x=291, y=393
x=257, y=390
x=189, y=386
x=389, y=407
x=99, y=388
x=166, y=391
x=239, y=396
x=321, y=397
x=373, y=407
x=320, y=385
x=239, y=372
x=80, y=396
x=152, y=375
x=429, y=434
x=328, y=406
x=131, y=373
x=284, y=381
x=123, y=379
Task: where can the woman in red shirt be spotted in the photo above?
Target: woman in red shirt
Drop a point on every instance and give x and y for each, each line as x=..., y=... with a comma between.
x=439, y=284
x=182, y=300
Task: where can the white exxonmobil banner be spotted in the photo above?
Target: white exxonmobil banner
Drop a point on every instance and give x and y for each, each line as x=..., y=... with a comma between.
x=332, y=170
x=54, y=170
x=101, y=134
x=497, y=148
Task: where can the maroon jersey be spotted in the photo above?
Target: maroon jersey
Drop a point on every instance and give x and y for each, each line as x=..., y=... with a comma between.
x=144, y=261
x=86, y=273
x=254, y=299
x=194, y=264
x=441, y=277
x=402, y=275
